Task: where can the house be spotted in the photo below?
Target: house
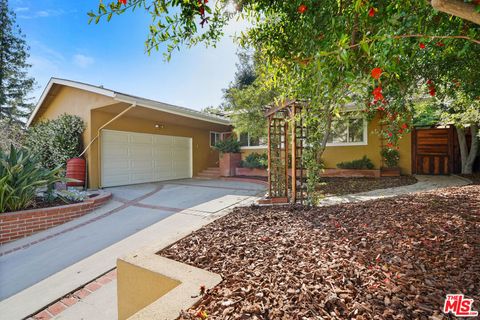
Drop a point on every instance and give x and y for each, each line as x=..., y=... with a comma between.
x=352, y=138
x=131, y=139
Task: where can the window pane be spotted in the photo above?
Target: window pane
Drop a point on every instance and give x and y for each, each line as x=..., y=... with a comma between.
x=355, y=130
x=254, y=142
x=339, y=132
x=213, y=138
x=243, y=139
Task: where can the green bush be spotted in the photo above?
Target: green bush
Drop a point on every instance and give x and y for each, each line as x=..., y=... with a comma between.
x=21, y=176
x=255, y=160
x=363, y=163
x=230, y=145
x=391, y=157
x=56, y=141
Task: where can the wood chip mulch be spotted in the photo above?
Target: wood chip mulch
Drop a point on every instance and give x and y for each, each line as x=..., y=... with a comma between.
x=385, y=259
x=336, y=186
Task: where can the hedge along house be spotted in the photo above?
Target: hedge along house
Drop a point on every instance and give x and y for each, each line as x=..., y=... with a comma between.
x=130, y=139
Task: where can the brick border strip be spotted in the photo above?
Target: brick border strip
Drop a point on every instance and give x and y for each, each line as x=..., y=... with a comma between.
x=20, y=224
x=68, y=300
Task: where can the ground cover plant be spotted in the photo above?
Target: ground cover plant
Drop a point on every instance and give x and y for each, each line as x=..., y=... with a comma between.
x=361, y=164
x=385, y=259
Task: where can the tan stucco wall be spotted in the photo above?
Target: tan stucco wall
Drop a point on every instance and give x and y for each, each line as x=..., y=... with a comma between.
x=334, y=155
x=337, y=154
x=89, y=106
x=138, y=287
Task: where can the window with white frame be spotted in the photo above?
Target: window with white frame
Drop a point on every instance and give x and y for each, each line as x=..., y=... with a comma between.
x=215, y=137
x=247, y=141
x=348, y=131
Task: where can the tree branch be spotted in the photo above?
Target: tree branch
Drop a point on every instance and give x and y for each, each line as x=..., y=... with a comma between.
x=457, y=8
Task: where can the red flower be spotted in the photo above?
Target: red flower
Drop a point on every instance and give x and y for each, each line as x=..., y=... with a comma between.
x=376, y=73
x=123, y=1
x=432, y=92
x=400, y=131
x=302, y=8
x=390, y=134
x=389, y=145
x=381, y=109
x=404, y=126
x=377, y=93
x=422, y=45
x=440, y=44
x=372, y=11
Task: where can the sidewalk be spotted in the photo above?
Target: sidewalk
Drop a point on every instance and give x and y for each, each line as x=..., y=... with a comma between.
x=425, y=183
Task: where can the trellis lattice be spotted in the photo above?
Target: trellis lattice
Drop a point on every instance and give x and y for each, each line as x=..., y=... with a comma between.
x=286, y=142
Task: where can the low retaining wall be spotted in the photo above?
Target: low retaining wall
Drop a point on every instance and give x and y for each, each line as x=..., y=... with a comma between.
x=19, y=224
x=347, y=173
x=251, y=172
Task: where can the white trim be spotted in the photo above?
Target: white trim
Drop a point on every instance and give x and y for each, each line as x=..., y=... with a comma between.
x=170, y=109
x=156, y=105
x=349, y=144
x=254, y=147
x=63, y=82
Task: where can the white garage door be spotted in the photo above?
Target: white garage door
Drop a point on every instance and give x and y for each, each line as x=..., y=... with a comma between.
x=129, y=158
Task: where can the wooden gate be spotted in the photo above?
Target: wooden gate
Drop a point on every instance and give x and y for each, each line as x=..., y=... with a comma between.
x=433, y=151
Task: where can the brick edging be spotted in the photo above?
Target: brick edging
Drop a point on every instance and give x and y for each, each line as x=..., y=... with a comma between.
x=20, y=224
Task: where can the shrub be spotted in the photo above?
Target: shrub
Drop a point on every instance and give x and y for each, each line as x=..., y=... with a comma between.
x=21, y=176
x=363, y=163
x=56, y=141
x=230, y=145
x=391, y=157
x=255, y=160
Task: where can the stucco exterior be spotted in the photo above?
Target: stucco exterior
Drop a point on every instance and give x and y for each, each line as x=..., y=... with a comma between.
x=96, y=110
x=336, y=154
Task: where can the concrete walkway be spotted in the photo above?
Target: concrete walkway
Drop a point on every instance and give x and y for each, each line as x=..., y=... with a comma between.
x=101, y=304
x=52, y=263
x=425, y=183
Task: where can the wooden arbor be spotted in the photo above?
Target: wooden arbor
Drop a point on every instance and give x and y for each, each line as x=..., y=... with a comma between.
x=286, y=142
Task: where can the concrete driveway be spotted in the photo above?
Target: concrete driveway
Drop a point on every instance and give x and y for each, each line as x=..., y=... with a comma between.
x=132, y=209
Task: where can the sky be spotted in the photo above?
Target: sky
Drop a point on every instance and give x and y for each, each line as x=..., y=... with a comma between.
x=112, y=54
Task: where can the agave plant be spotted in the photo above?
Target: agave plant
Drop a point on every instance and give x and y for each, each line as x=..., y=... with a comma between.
x=21, y=175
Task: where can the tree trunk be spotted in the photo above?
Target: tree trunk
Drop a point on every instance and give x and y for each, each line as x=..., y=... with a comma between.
x=468, y=158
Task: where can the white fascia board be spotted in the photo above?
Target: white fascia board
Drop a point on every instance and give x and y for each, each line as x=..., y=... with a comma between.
x=68, y=83
x=170, y=109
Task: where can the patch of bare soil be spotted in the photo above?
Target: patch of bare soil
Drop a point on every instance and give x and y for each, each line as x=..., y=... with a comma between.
x=342, y=186
x=393, y=258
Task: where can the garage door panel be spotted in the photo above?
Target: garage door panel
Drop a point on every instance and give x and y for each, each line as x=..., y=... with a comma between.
x=163, y=140
x=119, y=137
x=114, y=151
x=141, y=138
x=129, y=157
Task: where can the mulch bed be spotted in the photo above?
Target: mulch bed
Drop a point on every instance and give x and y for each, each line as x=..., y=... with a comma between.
x=385, y=259
x=342, y=186
x=41, y=203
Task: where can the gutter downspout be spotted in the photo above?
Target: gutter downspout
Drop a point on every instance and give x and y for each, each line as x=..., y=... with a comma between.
x=99, y=141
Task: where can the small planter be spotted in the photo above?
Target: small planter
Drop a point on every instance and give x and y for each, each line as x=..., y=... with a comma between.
x=228, y=163
x=390, y=172
x=251, y=172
